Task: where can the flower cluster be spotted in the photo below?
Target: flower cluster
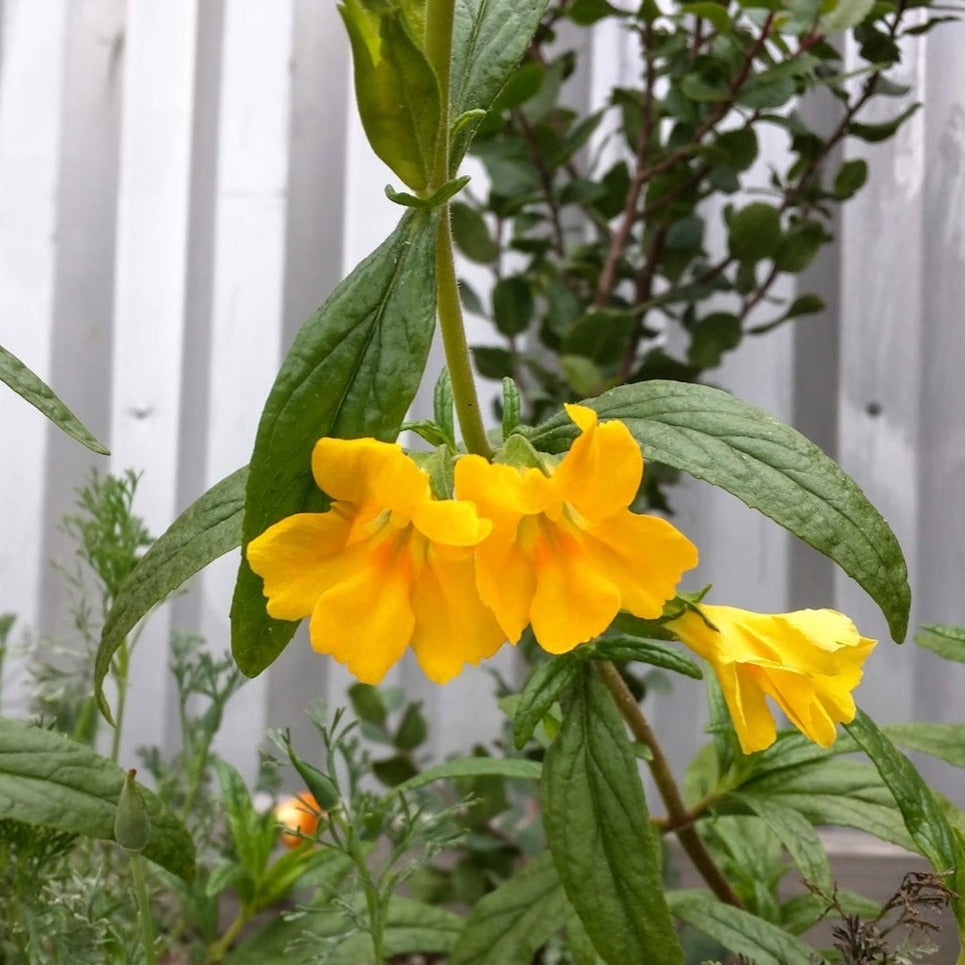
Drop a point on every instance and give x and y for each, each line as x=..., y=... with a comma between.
x=556, y=548
x=391, y=566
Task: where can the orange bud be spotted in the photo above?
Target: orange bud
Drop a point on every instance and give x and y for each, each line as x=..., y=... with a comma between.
x=299, y=814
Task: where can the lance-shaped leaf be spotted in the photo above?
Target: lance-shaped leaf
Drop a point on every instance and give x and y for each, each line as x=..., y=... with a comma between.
x=32, y=388
x=545, y=686
x=766, y=464
x=599, y=832
x=489, y=40
x=351, y=372
x=49, y=780
x=923, y=816
x=207, y=529
x=396, y=90
x=511, y=923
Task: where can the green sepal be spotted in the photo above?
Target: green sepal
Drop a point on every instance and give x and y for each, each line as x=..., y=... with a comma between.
x=321, y=786
x=518, y=451
x=132, y=823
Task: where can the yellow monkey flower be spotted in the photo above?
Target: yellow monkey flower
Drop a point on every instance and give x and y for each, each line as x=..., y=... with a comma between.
x=388, y=566
x=808, y=661
x=565, y=553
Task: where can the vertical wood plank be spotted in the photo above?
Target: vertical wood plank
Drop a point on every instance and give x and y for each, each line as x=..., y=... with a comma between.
x=149, y=304
x=31, y=83
x=938, y=683
x=881, y=337
x=247, y=301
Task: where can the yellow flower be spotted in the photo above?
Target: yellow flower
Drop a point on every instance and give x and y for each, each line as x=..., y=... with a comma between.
x=566, y=554
x=388, y=566
x=809, y=661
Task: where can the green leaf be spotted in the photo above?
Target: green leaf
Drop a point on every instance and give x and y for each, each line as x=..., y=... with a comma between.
x=844, y=15
x=511, y=923
x=799, y=246
x=946, y=641
x=512, y=305
x=873, y=133
x=654, y=652
x=413, y=729
x=32, y=388
x=924, y=819
x=352, y=371
x=471, y=234
x=545, y=686
x=766, y=464
x=944, y=741
x=738, y=930
x=708, y=10
x=754, y=232
x=850, y=179
x=467, y=767
x=489, y=39
x=49, y=780
x=599, y=832
x=207, y=529
x=396, y=90
x=492, y=362
x=253, y=833
x=798, y=837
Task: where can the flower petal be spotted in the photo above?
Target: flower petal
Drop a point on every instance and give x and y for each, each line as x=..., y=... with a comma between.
x=574, y=601
x=506, y=582
x=370, y=474
x=644, y=556
x=452, y=626
x=298, y=558
x=501, y=493
x=601, y=473
x=365, y=621
x=450, y=521
x=752, y=718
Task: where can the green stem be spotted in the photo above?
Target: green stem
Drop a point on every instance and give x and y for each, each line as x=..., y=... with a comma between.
x=219, y=949
x=143, y=908
x=678, y=817
x=440, y=16
x=373, y=899
x=464, y=395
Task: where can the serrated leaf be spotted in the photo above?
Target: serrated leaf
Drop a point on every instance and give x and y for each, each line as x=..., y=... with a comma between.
x=34, y=390
x=396, y=90
x=598, y=828
x=352, y=371
x=545, y=686
x=469, y=767
x=511, y=923
x=798, y=837
x=49, y=780
x=946, y=641
x=207, y=529
x=766, y=464
x=654, y=652
x=738, y=930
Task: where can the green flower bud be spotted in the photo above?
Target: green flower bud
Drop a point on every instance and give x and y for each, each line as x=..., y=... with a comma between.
x=323, y=788
x=132, y=826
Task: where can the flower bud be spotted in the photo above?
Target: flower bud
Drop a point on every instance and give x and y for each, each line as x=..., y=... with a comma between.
x=321, y=785
x=132, y=826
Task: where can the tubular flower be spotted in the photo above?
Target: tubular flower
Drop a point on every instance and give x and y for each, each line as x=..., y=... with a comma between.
x=809, y=661
x=566, y=554
x=388, y=566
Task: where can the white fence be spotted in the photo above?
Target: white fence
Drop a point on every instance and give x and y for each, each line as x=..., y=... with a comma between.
x=181, y=184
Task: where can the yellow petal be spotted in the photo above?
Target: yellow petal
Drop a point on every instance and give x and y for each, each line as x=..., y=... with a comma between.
x=500, y=493
x=452, y=626
x=644, y=556
x=298, y=558
x=506, y=581
x=573, y=601
x=450, y=521
x=370, y=474
x=365, y=621
x=601, y=473
x=749, y=712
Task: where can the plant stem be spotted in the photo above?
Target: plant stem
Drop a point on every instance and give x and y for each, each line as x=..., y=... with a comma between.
x=373, y=898
x=454, y=343
x=143, y=908
x=439, y=23
x=677, y=814
x=219, y=949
